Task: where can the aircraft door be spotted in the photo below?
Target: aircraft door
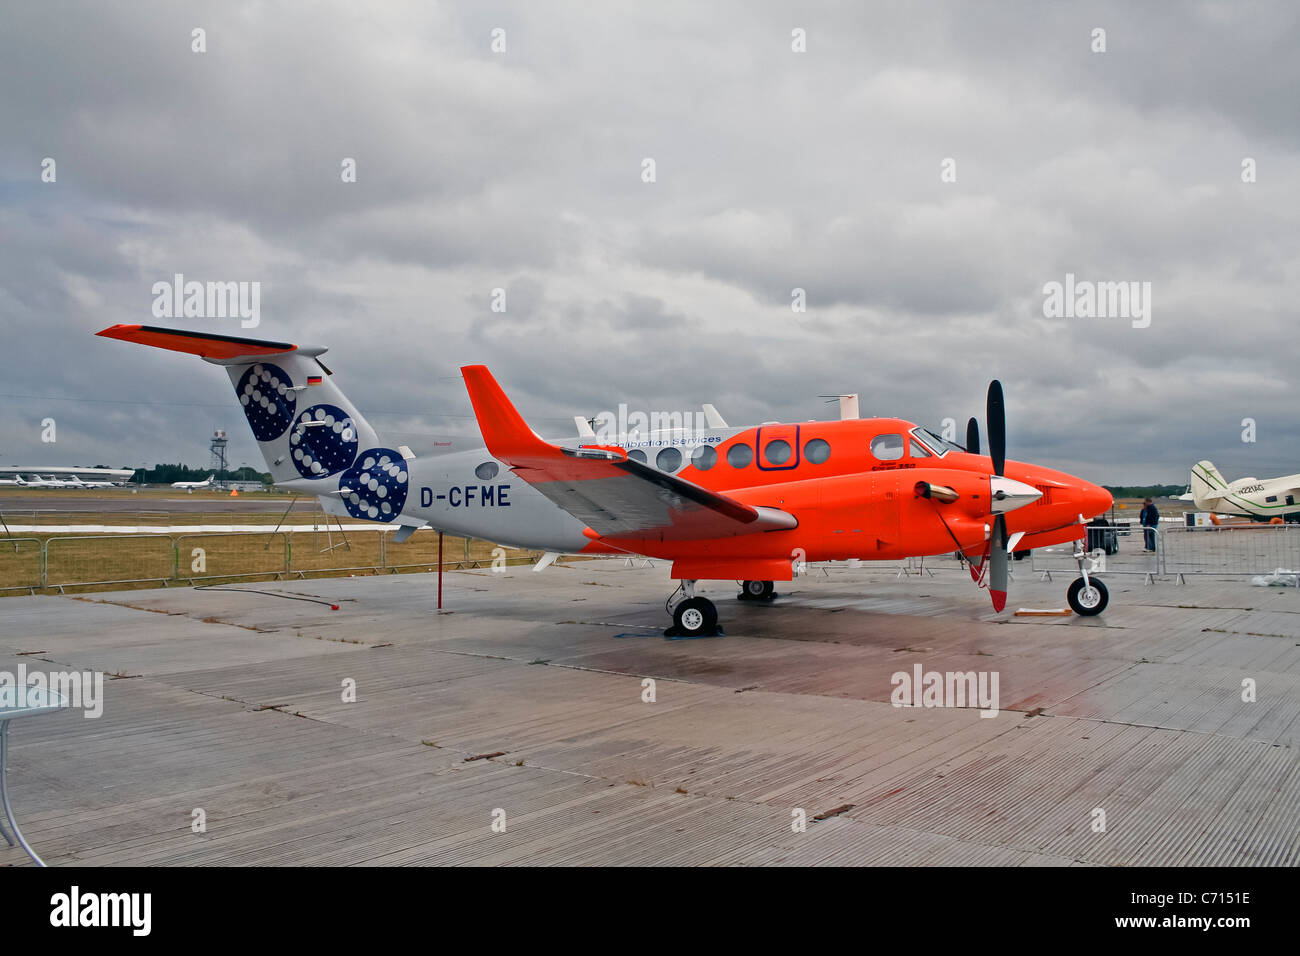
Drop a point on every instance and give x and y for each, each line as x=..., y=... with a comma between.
x=884, y=510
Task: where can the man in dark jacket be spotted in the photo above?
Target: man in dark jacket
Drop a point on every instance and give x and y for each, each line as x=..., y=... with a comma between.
x=1150, y=520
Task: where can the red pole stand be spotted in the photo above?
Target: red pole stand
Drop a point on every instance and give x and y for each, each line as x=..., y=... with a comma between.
x=439, y=570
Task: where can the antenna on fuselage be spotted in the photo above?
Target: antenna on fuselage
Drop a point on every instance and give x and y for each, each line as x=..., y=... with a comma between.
x=848, y=405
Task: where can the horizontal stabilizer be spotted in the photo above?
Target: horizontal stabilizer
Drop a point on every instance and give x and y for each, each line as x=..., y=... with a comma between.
x=207, y=345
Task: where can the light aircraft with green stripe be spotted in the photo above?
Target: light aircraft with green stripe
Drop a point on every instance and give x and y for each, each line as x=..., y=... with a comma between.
x=1254, y=498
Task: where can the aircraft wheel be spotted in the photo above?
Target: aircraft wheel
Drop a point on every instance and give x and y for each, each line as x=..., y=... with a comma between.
x=757, y=591
x=1088, y=598
x=695, y=617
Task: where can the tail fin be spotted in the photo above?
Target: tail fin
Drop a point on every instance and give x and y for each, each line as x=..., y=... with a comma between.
x=305, y=426
x=1208, y=486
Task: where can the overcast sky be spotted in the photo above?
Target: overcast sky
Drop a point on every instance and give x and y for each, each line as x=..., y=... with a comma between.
x=774, y=170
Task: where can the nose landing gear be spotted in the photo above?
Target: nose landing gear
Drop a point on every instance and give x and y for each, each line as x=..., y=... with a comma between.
x=692, y=616
x=1087, y=595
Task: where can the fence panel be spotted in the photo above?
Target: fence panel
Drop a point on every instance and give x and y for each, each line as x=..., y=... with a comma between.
x=231, y=554
x=20, y=563
x=420, y=551
x=1128, y=553
x=108, y=559
x=1231, y=549
x=330, y=549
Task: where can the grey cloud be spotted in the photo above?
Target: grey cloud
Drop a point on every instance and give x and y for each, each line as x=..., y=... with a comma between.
x=775, y=170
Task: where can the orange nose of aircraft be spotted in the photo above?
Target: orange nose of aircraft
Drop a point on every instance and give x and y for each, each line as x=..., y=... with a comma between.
x=1093, y=499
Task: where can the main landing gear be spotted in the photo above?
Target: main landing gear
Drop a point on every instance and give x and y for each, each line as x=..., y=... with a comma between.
x=692, y=616
x=1087, y=595
x=757, y=591
x=698, y=617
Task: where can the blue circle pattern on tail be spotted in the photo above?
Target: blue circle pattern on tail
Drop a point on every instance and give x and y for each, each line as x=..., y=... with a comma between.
x=376, y=485
x=263, y=390
x=324, y=449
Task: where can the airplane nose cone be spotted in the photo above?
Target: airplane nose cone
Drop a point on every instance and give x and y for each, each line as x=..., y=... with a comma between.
x=1096, y=500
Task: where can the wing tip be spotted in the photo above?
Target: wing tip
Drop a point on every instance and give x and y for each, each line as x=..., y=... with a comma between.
x=119, y=331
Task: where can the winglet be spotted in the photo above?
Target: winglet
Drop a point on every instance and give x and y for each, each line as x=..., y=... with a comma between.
x=505, y=432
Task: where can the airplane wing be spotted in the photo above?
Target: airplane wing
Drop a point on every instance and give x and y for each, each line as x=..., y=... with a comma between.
x=599, y=485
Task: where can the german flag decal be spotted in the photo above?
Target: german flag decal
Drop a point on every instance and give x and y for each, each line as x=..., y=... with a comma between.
x=313, y=380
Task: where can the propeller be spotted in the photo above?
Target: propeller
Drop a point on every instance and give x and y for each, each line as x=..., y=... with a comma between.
x=998, y=558
x=973, y=436
x=997, y=422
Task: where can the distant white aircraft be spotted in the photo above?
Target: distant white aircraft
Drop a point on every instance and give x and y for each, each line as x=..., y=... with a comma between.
x=62, y=476
x=1255, y=499
x=191, y=485
x=80, y=482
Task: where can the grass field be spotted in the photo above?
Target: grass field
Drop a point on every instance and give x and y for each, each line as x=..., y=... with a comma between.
x=56, y=563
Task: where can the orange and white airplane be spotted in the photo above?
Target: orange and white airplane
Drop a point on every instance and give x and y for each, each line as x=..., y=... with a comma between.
x=750, y=504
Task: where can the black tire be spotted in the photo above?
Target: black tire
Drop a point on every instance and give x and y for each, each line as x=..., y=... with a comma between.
x=695, y=617
x=1085, y=603
x=757, y=590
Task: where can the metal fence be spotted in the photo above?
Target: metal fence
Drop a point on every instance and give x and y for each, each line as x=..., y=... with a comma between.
x=22, y=562
x=1229, y=549
x=1179, y=551
x=69, y=561
x=1127, y=554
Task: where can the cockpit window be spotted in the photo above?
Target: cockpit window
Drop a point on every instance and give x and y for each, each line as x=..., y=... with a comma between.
x=917, y=450
x=887, y=447
x=936, y=444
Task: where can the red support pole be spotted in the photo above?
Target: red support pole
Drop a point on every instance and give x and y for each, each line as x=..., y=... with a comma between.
x=439, y=570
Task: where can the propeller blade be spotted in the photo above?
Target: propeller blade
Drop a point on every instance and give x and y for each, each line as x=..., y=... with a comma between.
x=997, y=422
x=973, y=437
x=998, y=564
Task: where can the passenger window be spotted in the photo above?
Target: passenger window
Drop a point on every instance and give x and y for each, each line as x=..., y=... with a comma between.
x=778, y=451
x=704, y=457
x=637, y=455
x=487, y=471
x=739, y=455
x=917, y=450
x=887, y=447
x=817, y=451
x=668, y=459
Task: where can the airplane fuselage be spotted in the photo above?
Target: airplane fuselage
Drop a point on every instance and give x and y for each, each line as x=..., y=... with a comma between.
x=850, y=501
